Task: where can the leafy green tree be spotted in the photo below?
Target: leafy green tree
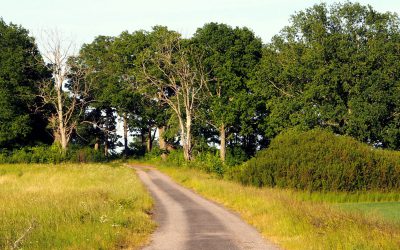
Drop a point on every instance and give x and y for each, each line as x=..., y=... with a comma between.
x=230, y=55
x=124, y=97
x=21, y=69
x=336, y=68
x=173, y=74
x=115, y=70
x=98, y=57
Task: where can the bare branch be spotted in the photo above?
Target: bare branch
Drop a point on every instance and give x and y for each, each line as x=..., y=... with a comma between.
x=281, y=90
x=68, y=102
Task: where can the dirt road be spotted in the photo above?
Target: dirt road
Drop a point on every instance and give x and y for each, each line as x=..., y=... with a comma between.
x=188, y=221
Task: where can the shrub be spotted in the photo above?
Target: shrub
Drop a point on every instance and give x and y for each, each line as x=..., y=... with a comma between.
x=321, y=160
x=175, y=158
x=52, y=154
x=207, y=161
x=235, y=156
x=155, y=153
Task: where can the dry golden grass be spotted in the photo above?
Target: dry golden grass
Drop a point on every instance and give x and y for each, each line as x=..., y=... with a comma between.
x=72, y=206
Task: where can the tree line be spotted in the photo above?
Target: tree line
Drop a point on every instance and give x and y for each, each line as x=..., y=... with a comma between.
x=334, y=67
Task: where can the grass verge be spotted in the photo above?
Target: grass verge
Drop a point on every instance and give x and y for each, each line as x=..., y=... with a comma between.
x=290, y=222
x=72, y=206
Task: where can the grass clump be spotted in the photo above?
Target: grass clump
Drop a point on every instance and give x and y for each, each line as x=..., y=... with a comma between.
x=290, y=222
x=319, y=160
x=72, y=206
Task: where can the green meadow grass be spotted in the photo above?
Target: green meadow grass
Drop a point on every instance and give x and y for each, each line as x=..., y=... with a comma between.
x=389, y=211
x=295, y=221
x=347, y=197
x=72, y=206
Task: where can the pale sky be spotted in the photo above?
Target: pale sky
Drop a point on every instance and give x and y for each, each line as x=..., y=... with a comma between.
x=86, y=19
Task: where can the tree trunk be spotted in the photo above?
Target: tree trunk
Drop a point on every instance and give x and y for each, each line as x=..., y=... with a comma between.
x=125, y=134
x=188, y=147
x=61, y=127
x=149, y=143
x=106, y=148
x=161, y=142
x=143, y=137
x=222, y=136
x=56, y=129
x=106, y=144
x=183, y=139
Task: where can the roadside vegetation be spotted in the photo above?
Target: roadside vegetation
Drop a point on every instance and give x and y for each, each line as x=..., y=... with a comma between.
x=319, y=160
x=71, y=206
x=284, y=217
x=307, y=190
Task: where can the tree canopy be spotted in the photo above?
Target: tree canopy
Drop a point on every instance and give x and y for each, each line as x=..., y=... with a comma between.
x=222, y=91
x=21, y=70
x=336, y=68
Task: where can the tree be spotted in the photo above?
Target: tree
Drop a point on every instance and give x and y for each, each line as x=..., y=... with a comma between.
x=231, y=54
x=100, y=114
x=114, y=76
x=174, y=74
x=335, y=68
x=20, y=74
x=66, y=92
x=145, y=114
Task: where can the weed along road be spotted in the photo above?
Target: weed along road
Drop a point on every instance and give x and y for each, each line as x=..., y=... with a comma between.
x=188, y=221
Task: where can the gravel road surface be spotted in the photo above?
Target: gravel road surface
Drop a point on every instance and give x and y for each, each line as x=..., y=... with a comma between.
x=188, y=221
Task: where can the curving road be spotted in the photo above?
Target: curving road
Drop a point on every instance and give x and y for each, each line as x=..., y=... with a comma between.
x=188, y=221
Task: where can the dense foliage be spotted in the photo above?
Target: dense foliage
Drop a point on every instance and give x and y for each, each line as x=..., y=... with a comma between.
x=53, y=154
x=335, y=68
x=20, y=73
x=321, y=160
x=215, y=98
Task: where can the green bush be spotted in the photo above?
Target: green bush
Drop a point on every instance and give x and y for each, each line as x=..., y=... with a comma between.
x=207, y=161
x=321, y=160
x=155, y=153
x=52, y=154
x=235, y=156
x=175, y=158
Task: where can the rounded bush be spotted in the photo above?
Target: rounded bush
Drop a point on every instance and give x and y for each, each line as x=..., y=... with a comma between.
x=320, y=160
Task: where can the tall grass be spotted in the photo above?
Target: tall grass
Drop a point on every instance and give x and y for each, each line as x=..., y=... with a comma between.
x=72, y=206
x=281, y=216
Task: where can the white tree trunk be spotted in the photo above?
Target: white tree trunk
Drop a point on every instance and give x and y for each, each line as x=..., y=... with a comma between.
x=161, y=142
x=61, y=127
x=188, y=137
x=222, y=136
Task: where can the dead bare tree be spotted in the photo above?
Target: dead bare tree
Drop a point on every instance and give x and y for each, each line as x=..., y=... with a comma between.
x=177, y=75
x=67, y=89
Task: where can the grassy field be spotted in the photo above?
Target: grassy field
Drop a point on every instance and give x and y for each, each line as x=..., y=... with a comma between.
x=293, y=221
x=389, y=211
x=385, y=206
x=72, y=206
